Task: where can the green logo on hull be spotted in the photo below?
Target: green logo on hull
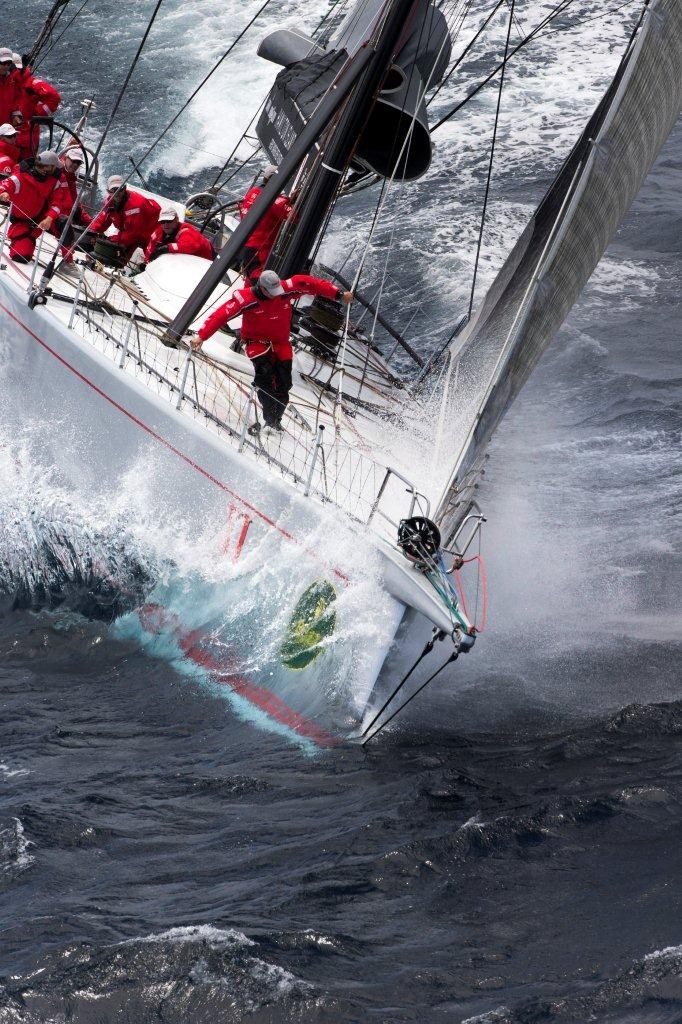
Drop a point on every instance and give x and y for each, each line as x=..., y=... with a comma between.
x=312, y=621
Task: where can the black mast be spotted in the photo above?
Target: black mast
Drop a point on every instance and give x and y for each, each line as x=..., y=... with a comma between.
x=377, y=59
x=318, y=197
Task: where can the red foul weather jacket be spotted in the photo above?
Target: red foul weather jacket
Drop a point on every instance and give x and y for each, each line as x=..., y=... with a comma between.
x=40, y=99
x=263, y=238
x=37, y=98
x=135, y=221
x=187, y=240
x=10, y=96
x=9, y=149
x=7, y=165
x=266, y=323
x=65, y=195
x=30, y=195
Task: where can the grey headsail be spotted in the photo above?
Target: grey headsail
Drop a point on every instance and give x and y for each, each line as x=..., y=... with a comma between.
x=566, y=238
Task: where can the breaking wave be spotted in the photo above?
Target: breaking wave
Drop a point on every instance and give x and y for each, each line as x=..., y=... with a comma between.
x=197, y=972
x=57, y=554
x=105, y=558
x=14, y=850
x=647, y=992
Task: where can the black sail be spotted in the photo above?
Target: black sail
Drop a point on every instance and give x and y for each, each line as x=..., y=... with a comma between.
x=564, y=241
x=399, y=117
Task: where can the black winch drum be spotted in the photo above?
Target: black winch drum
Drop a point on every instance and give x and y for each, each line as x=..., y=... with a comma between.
x=109, y=253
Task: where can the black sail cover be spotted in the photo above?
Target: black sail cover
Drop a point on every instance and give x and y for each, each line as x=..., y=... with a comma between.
x=396, y=139
x=562, y=244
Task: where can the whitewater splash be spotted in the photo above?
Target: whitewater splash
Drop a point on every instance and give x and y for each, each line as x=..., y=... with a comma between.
x=217, y=616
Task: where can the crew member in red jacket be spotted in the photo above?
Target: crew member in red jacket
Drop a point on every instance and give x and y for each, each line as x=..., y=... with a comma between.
x=260, y=242
x=10, y=88
x=27, y=135
x=7, y=165
x=266, y=309
x=34, y=98
x=175, y=236
x=63, y=198
x=29, y=190
x=8, y=142
x=133, y=215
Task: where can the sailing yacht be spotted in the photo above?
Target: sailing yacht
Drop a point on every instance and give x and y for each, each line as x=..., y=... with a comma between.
x=103, y=358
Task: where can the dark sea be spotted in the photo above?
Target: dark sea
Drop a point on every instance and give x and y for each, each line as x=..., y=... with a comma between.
x=510, y=850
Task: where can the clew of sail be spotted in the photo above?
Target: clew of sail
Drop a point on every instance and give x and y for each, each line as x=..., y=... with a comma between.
x=560, y=247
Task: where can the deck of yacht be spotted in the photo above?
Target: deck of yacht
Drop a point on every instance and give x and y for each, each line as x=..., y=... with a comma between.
x=345, y=412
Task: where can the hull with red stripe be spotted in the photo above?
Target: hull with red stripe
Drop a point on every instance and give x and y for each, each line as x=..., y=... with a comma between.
x=103, y=431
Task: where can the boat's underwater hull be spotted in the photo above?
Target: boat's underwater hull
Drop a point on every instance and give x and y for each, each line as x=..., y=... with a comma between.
x=106, y=435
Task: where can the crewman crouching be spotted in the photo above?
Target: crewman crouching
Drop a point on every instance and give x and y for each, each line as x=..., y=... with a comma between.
x=266, y=310
x=175, y=236
x=9, y=150
x=133, y=215
x=29, y=190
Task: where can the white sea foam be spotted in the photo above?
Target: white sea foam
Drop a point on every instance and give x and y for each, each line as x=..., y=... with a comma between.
x=14, y=847
x=667, y=953
x=215, y=938
x=13, y=773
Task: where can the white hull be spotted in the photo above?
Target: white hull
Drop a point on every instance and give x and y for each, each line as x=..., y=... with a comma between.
x=96, y=422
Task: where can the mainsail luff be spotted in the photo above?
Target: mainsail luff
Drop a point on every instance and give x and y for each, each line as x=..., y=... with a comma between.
x=561, y=246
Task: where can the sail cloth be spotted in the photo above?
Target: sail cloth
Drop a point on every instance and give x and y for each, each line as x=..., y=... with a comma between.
x=562, y=244
x=400, y=114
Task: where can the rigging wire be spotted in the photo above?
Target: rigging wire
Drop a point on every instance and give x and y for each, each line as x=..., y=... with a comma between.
x=428, y=647
x=491, y=161
x=453, y=657
x=45, y=34
x=466, y=49
x=203, y=82
x=53, y=42
x=558, y=10
x=49, y=270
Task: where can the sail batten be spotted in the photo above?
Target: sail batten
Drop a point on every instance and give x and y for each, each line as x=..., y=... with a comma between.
x=566, y=238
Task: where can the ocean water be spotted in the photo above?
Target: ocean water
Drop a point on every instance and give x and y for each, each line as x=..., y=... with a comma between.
x=509, y=851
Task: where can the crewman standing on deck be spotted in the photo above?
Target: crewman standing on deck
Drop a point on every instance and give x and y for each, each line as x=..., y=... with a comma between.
x=133, y=215
x=265, y=307
x=260, y=242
